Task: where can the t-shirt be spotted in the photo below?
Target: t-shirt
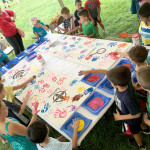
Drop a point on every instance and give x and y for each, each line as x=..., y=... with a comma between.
x=92, y=7
x=144, y=30
x=148, y=106
x=3, y=56
x=88, y=29
x=54, y=144
x=69, y=24
x=9, y=93
x=77, y=18
x=40, y=31
x=126, y=104
x=6, y=24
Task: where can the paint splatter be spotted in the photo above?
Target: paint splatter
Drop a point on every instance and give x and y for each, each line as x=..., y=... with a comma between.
x=113, y=56
x=60, y=113
x=95, y=58
x=82, y=56
x=73, y=82
x=96, y=103
x=46, y=107
x=88, y=91
x=83, y=51
x=93, y=78
x=111, y=44
x=122, y=45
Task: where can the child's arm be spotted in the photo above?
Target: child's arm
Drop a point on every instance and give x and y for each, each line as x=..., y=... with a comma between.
x=122, y=54
x=89, y=36
x=36, y=34
x=59, y=28
x=99, y=10
x=23, y=106
x=87, y=72
x=146, y=120
x=75, y=127
x=73, y=30
x=23, y=84
x=117, y=116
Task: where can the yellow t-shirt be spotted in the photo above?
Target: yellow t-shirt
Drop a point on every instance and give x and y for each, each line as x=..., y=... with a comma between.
x=9, y=93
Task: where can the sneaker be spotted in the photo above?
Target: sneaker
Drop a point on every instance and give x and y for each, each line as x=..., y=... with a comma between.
x=146, y=131
x=133, y=143
x=143, y=147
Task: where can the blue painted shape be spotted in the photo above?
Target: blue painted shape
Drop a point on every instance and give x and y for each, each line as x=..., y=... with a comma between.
x=31, y=48
x=69, y=130
x=84, y=79
x=88, y=91
x=85, y=104
x=72, y=83
x=107, y=87
x=125, y=61
x=134, y=77
x=12, y=63
x=21, y=55
x=31, y=56
x=40, y=41
x=46, y=106
x=2, y=71
x=111, y=44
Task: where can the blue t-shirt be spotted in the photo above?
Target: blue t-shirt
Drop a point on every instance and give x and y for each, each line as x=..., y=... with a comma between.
x=77, y=18
x=127, y=104
x=40, y=31
x=3, y=55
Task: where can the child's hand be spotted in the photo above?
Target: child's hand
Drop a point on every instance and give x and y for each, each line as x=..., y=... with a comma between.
x=34, y=110
x=32, y=78
x=61, y=139
x=86, y=36
x=117, y=115
x=76, y=123
x=77, y=34
x=85, y=73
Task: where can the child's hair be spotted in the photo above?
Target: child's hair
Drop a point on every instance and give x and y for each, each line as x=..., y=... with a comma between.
x=143, y=77
x=84, y=13
x=37, y=131
x=144, y=10
x=77, y=1
x=138, y=54
x=65, y=10
x=1, y=87
x=119, y=75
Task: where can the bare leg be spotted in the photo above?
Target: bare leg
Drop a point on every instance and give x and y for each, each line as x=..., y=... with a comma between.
x=143, y=125
x=138, y=139
x=102, y=26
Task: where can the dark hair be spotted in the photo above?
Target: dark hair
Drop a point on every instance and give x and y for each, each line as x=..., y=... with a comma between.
x=138, y=54
x=84, y=13
x=1, y=87
x=143, y=77
x=77, y=1
x=65, y=10
x=119, y=75
x=144, y=10
x=37, y=131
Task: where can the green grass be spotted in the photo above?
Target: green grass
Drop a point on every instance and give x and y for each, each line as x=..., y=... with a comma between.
x=116, y=17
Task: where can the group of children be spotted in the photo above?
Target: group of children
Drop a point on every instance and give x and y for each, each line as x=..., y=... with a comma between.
x=128, y=95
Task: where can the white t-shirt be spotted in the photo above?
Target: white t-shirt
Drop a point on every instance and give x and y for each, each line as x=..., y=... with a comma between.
x=54, y=144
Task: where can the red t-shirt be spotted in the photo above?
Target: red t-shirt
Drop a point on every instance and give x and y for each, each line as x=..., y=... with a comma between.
x=6, y=24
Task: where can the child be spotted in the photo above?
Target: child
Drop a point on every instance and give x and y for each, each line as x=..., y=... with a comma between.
x=5, y=2
x=3, y=57
x=87, y=26
x=79, y=7
x=39, y=29
x=143, y=77
x=11, y=130
x=125, y=98
x=93, y=6
x=38, y=132
x=68, y=20
x=144, y=29
x=10, y=89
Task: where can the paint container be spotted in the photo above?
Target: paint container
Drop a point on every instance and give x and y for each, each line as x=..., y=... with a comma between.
x=41, y=59
x=135, y=39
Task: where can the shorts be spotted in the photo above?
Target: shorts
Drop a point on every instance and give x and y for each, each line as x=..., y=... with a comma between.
x=131, y=129
x=95, y=21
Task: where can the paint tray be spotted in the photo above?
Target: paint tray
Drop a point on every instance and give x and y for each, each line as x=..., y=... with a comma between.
x=31, y=48
x=21, y=55
x=2, y=71
x=127, y=63
x=69, y=130
x=134, y=77
x=91, y=81
x=40, y=41
x=12, y=63
x=107, y=87
x=31, y=56
x=91, y=105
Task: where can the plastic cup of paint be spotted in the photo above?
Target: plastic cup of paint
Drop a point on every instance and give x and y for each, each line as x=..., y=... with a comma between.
x=135, y=39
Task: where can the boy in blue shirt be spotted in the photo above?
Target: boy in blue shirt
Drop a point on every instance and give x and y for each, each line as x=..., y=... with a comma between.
x=39, y=29
x=38, y=132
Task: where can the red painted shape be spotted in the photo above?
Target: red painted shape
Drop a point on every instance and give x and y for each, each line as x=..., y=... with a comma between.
x=93, y=78
x=113, y=56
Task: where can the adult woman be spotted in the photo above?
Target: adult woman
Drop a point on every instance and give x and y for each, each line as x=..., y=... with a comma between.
x=9, y=30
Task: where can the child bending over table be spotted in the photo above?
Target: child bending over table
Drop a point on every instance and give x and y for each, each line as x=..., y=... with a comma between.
x=38, y=133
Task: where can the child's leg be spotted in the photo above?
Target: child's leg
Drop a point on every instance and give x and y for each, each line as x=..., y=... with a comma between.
x=138, y=139
x=102, y=26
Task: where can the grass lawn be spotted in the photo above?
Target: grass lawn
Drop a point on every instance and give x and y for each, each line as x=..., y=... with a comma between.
x=116, y=17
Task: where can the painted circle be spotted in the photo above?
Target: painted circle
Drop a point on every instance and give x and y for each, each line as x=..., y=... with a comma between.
x=81, y=125
x=93, y=78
